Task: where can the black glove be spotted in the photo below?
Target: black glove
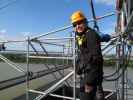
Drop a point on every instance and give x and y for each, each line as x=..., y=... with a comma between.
x=79, y=72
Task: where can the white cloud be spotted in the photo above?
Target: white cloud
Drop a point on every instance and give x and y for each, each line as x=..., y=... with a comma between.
x=25, y=34
x=107, y=2
x=3, y=31
x=2, y=34
x=5, y=36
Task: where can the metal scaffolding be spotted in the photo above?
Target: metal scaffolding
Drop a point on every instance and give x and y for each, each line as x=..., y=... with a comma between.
x=60, y=53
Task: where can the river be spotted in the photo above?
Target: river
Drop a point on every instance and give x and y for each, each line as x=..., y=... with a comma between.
x=6, y=72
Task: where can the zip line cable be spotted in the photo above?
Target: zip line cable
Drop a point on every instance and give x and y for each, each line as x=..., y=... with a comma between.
x=8, y=4
x=126, y=63
x=70, y=26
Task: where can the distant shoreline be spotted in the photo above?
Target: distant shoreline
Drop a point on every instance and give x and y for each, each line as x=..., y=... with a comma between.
x=20, y=58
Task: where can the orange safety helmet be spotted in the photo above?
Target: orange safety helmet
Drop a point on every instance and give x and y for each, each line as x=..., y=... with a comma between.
x=77, y=16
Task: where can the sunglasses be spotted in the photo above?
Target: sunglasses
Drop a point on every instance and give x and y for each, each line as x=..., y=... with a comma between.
x=77, y=23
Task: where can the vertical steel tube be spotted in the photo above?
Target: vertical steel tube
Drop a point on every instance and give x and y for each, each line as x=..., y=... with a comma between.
x=74, y=67
x=123, y=56
x=27, y=76
x=117, y=66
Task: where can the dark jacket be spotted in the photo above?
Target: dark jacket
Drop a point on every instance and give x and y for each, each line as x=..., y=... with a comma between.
x=90, y=50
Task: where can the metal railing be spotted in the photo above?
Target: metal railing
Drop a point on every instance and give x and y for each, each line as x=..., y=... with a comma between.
x=66, y=54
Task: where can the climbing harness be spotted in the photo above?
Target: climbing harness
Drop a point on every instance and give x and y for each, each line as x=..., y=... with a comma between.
x=81, y=39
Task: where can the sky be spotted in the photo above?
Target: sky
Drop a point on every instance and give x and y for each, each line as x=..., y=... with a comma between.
x=35, y=17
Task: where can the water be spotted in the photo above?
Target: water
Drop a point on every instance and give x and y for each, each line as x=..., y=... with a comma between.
x=6, y=72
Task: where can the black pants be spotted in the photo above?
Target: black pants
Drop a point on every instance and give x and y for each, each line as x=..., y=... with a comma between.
x=91, y=77
x=88, y=96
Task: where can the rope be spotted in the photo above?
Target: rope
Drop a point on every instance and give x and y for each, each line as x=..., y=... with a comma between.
x=94, y=16
x=128, y=56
